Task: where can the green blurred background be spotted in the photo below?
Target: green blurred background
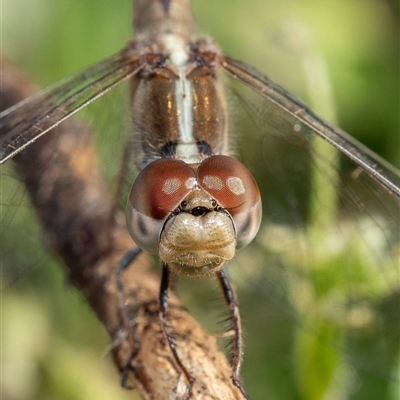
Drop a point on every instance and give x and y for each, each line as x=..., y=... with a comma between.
x=53, y=347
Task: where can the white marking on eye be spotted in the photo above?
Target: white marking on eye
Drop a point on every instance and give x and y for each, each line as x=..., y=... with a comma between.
x=213, y=182
x=235, y=185
x=171, y=185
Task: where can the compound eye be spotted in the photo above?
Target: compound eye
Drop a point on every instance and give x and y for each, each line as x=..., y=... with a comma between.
x=232, y=185
x=229, y=182
x=157, y=191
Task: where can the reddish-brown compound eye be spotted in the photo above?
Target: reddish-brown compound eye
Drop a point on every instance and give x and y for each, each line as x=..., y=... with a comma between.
x=157, y=191
x=229, y=182
x=232, y=185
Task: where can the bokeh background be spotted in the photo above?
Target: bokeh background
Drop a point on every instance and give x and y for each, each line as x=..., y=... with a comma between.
x=53, y=347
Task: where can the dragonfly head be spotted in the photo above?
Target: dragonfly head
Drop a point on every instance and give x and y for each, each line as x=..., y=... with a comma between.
x=194, y=216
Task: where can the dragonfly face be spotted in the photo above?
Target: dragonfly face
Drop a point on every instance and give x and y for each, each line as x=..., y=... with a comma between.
x=215, y=208
x=348, y=299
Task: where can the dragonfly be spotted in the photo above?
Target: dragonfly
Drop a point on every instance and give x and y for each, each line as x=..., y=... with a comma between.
x=367, y=175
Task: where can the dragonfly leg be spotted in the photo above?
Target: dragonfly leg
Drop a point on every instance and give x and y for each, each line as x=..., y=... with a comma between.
x=163, y=317
x=128, y=258
x=236, y=356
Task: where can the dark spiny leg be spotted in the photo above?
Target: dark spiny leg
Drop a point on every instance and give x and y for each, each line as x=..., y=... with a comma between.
x=163, y=316
x=132, y=337
x=236, y=356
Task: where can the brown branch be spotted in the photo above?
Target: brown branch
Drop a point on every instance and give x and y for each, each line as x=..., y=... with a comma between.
x=61, y=173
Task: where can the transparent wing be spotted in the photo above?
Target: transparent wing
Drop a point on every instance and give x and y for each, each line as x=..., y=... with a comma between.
x=368, y=161
x=319, y=288
x=105, y=121
x=23, y=123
